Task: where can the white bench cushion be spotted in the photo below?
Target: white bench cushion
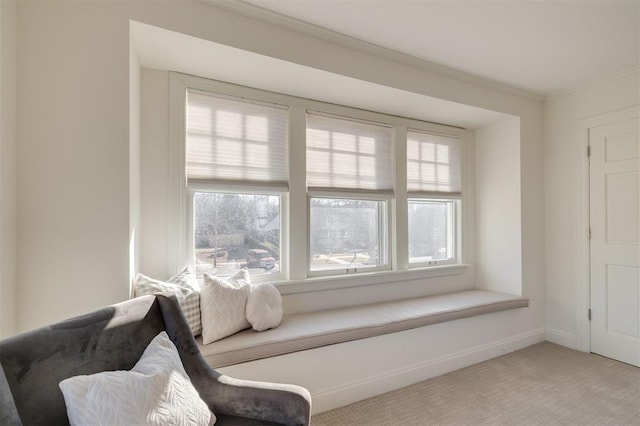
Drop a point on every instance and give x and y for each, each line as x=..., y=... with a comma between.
x=309, y=330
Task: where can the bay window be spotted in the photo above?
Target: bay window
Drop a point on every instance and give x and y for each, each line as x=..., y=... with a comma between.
x=266, y=178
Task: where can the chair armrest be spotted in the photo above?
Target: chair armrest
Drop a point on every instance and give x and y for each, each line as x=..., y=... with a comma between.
x=271, y=402
x=278, y=403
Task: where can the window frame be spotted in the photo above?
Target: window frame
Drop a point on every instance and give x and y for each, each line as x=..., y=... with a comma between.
x=295, y=228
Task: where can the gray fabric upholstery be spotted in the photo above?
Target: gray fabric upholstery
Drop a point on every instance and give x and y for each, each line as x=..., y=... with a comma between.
x=114, y=338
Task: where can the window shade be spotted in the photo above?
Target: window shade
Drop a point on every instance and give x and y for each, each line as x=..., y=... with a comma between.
x=231, y=140
x=348, y=154
x=433, y=164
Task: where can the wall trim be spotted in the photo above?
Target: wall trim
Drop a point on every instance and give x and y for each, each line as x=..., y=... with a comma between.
x=592, y=83
x=262, y=14
x=392, y=379
x=561, y=338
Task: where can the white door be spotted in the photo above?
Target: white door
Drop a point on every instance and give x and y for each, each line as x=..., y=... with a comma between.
x=615, y=240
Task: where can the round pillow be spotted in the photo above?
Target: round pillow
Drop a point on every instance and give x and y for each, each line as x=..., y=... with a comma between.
x=264, y=307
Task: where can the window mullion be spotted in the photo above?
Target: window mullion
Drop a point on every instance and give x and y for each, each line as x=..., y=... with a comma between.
x=400, y=212
x=297, y=229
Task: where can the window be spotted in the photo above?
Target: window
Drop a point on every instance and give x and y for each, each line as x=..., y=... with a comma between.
x=435, y=191
x=236, y=166
x=234, y=231
x=347, y=235
x=431, y=231
x=293, y=188
x=349, y=182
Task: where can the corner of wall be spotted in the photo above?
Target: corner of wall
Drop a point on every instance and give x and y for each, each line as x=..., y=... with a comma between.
x=134, y=163
x=566, y=289
x=498, y=207
x=8, y=200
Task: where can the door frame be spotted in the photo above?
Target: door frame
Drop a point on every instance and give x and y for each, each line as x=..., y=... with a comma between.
x=583, y=296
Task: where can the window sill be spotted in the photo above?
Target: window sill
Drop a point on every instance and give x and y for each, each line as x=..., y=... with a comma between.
x=363, y=279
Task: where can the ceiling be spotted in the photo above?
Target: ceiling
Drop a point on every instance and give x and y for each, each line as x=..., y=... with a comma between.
x=543, y=46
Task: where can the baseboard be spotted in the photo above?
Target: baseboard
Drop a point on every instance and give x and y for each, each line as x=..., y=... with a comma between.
x=394, y=379
x=561, y=338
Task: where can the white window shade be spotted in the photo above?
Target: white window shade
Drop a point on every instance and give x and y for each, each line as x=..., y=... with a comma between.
x=348, y=155
x=433, y=164
x=234, y=141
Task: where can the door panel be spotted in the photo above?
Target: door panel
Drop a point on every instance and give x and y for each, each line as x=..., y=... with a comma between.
x=615, y=240
x=622, y=207
x=622, y=288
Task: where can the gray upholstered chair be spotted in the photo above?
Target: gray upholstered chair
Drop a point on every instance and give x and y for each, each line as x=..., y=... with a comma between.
x=114, y=338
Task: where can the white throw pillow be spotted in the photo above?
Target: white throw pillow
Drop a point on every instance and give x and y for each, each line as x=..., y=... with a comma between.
x=156, y=391
x=223, y=303
x=264, y=307
x=186, y=289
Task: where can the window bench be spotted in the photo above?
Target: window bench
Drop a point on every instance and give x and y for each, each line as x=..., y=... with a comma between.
x=310, y=330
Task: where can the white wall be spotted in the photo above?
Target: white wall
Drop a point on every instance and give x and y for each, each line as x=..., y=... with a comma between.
x=73, y=159
x=532, y=210
x=8, y=217
x=498, y=207
x=155, y=227
x=564, y=200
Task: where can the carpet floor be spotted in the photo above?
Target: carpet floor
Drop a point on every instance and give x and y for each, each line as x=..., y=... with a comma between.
x=544, y=384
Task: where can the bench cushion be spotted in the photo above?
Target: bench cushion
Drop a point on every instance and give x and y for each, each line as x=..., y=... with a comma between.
x=315, y=329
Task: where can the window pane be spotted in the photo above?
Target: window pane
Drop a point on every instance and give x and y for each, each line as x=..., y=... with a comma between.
x=346, y=234
x=431, y=233
x=236, y=230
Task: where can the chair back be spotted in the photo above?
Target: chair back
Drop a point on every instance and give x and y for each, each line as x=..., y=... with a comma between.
x=34, y=363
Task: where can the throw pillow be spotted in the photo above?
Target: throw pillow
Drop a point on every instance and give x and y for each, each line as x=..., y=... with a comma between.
x=264, y=307
x=156, y=391
x=186, y=289
x=223, y=303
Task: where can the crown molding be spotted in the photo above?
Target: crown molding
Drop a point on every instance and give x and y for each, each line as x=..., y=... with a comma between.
x=264, y=15
x=593, y=83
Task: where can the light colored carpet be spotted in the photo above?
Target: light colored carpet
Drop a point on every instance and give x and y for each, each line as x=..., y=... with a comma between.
x=544, y=384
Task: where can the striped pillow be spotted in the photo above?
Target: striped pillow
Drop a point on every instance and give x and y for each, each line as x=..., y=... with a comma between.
x=186, y=289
